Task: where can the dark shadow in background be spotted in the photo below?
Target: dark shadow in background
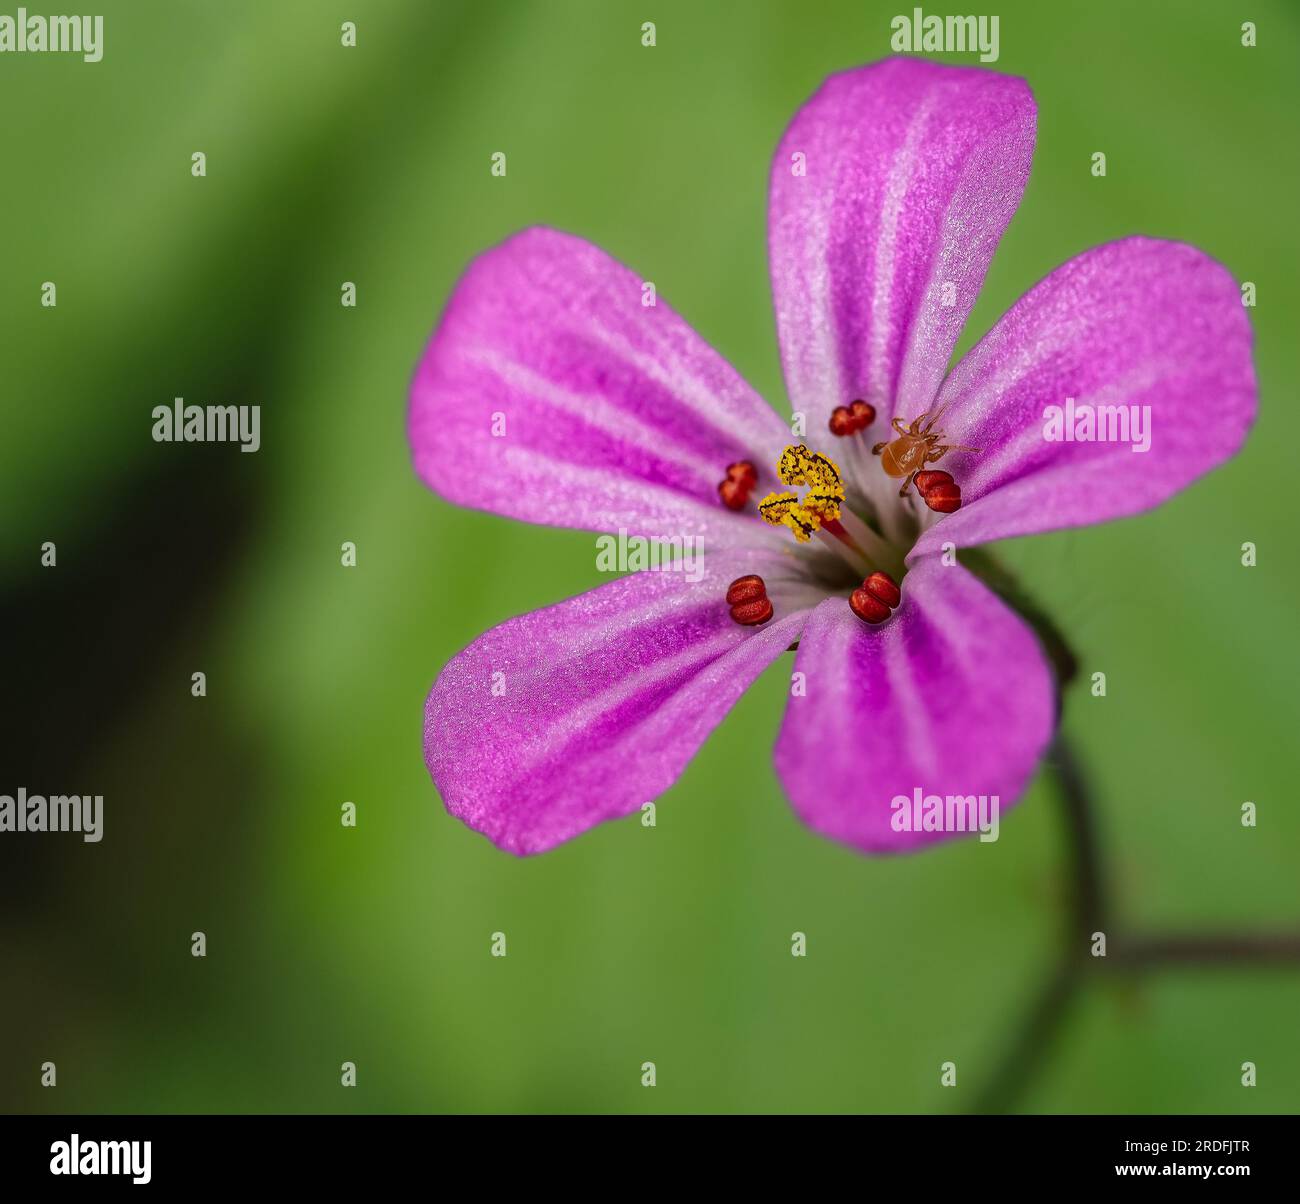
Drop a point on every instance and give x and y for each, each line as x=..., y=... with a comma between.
x=95, y=938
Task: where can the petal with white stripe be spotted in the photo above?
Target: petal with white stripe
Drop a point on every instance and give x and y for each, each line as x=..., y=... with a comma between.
x=566, y=717
x=949, y=697
x=552, y=392
x=1140, y=345
x=888, y=195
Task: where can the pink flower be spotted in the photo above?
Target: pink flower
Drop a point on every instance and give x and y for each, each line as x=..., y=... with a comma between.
x=889, y=193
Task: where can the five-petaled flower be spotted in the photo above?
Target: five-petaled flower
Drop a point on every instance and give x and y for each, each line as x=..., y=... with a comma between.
x=620, y=417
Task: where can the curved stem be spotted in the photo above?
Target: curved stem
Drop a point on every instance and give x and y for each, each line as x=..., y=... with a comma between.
x=1090, y=903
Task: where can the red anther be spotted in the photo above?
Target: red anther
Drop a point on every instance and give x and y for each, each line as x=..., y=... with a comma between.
x=742, y=476
x=863, y=414
x=751, y=614
x=734, y=495
x=842, y=422
x=875, y=598
x=744, y=472
x=930, y=478
x=747, y=597
x=746, y=589
x=944, y=497
x=883, y=588
x=850, y=419
x=869, y=609
x=938, y=490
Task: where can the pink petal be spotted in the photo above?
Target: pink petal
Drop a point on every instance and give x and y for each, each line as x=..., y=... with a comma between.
x=913, y=171
x=1132, y=323
x=616, y=414
x=600, y=703
x=950, y=695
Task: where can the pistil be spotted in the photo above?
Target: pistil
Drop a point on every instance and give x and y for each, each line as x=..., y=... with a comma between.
x=834, y=536
x=877, y=551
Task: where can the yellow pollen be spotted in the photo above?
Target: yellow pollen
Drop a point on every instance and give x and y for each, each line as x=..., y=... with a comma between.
x=799, y=466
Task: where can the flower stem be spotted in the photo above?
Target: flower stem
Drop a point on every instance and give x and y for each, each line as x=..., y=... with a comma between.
x=1090, y=909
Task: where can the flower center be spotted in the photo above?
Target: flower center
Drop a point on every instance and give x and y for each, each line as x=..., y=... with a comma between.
x=822, y=512
x=872, y=543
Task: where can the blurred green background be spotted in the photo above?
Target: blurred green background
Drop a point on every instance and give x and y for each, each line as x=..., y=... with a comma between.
x=671, y=944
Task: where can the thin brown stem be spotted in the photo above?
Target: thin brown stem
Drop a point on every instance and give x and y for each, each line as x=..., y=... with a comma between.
x=1089, y=909
x=1155, y=952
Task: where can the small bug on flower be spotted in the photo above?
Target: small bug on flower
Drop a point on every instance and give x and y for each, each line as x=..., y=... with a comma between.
x=916, y=446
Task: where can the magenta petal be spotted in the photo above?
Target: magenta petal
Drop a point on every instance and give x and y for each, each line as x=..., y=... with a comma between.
x=912, y=172
x=950, y=695
x=550, y=392
x=599, y=704
x=1132, y=323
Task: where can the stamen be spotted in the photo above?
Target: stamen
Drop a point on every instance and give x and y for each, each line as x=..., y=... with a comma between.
x=850, y=419
x=938, y=490
x=864, y=414
x=747, y=597
x=784, y=509
x=875, y=598
x=746, y=589
x=884, y=588
x=799, y=466
x=867, y=608
x=742, y=477
x=873, y=547
x=833, y=536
